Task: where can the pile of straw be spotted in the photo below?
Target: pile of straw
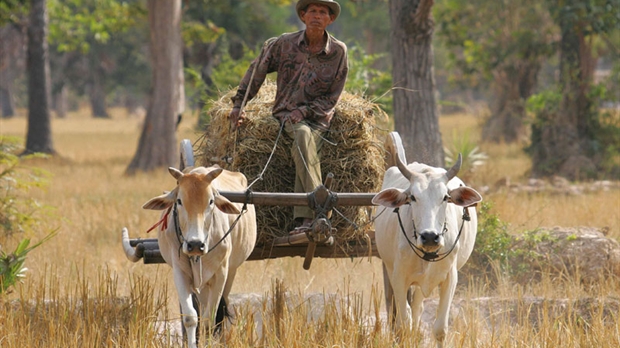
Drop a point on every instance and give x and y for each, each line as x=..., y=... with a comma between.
x=353, y=153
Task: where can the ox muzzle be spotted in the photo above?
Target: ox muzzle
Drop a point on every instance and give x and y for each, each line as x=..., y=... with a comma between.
x=194, y=248
x=430, y=240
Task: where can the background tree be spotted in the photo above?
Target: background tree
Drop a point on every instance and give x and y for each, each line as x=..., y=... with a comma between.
x=13, y=38
x=13, y=25
x=416, y=117
x=39, y=134
x=157, y=145
x=215, y=31
x=87, y=37
x=506, y=50
x=568, y=137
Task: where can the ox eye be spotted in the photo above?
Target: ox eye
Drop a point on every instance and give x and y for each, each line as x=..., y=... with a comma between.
x=446, y=198
x=412, y=197
x=179, y=201
x=211, y=201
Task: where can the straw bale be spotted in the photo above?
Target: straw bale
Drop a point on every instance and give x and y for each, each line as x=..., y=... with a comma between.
x=352, y=153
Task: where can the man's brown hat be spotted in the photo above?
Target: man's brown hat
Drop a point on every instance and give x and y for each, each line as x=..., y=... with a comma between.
x=303, y=4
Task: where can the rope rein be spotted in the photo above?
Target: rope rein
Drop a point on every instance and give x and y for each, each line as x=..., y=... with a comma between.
x=273, y=151
x=432, y=256
x=245, y=98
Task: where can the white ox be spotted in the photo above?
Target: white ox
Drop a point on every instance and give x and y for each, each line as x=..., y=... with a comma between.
x=204, y=238
x=425, y=241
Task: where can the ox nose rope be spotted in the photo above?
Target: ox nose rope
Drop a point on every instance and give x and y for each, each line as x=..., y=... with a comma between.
x=432, y=256
x=179, y=233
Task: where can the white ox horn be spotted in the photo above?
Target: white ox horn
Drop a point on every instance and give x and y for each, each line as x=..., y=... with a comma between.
x=403, y=168
x=130, y=252
x=455, y=168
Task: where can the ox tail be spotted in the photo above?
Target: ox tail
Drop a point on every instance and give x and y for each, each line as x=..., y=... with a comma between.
x=221, y=314
x=130, y=252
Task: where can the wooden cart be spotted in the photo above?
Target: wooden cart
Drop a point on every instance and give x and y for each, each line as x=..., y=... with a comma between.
x=319, y=241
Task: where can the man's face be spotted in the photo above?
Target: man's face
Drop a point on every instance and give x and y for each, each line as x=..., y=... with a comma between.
x=317, y=16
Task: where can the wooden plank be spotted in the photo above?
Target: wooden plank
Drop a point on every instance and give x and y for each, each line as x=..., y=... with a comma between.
x=296, y=199
x=152, y=255
x=324, y=251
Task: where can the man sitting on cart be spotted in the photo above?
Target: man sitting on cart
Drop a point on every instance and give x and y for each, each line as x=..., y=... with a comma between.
x=312, y=69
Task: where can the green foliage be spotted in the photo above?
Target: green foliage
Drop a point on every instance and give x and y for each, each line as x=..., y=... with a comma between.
x=603, y=125
x=471, y=155
x=245, y=22
x=497, y=250
x=606, y=131
x=543, y=107
x=194, y=32
x=13, y=11
x=75, y=25
x=493, y=241
x=512, y=32
x=365, y=79
x=593, y=16
x=544, y=102
x=16, y=211
x=229, y=71
x=226, y=76
x=12, y=267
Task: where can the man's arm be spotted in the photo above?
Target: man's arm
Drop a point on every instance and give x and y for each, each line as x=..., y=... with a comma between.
x=264, y=64
x=254, y=78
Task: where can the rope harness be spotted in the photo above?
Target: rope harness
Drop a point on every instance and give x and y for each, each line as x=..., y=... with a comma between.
x=432, y=256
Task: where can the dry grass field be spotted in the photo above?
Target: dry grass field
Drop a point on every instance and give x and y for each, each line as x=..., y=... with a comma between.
x=81, y=291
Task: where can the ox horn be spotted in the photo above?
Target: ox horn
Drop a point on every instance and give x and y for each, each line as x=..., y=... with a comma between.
x=455, y=168
x=403, y=168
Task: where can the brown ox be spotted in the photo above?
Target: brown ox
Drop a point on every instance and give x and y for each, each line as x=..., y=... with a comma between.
x=204, y=238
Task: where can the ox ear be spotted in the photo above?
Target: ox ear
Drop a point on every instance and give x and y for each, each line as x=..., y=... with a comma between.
x=391, y=198
x=214, y=174
x=465, y=196
x=177, y=174
x=161, y=202
x=223, y=204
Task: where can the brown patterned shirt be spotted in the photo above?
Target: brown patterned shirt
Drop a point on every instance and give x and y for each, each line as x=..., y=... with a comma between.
x=309, y=82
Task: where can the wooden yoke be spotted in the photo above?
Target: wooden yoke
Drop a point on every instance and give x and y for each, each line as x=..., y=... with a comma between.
x=321, y=201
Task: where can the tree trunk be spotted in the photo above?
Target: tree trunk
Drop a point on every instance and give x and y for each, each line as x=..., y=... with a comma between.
x=96, y=93
x=561, y=142
x=39, y=134
x=416, y=116
x=6, y=102
x=158, y=145
x=12, y=57
x=60, y=101
x=512, y=86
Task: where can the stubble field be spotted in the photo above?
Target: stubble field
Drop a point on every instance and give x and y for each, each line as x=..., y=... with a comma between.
x=80, y=290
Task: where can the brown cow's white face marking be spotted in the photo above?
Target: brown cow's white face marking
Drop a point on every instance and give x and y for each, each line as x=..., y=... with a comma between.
x=198, y=207
x=194, y=204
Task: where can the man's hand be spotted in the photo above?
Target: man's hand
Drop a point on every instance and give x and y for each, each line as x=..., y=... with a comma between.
x=295, y=116
x=236, y=117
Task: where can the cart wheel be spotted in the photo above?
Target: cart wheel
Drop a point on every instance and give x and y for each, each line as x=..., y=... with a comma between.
x=187, y=154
